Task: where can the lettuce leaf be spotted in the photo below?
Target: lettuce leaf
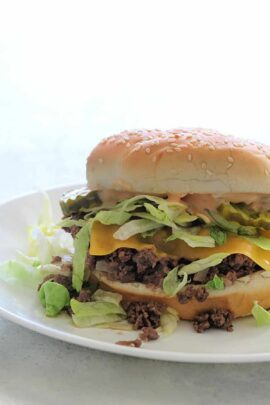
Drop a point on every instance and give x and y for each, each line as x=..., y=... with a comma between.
x=112, y=217
x=138, y=201
x=86, y=314
x=54, y=297
x=168, y=321
x=81, y=245
x=173, y=283
x=68, y=222
x=107, y=296
x=177, y=278
x=216, y=283
x=202, y=264
x=134, y=227
x=262, y=317
x=13, y=271
x=190, y=239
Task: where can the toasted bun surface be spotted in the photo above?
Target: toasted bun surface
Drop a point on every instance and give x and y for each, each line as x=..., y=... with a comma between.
x=179, y=161
x=237, y=298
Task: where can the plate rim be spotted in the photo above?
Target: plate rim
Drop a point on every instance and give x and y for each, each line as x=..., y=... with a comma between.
x=113, y=347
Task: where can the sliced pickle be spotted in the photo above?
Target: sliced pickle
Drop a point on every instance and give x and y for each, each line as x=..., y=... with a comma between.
x=244, y=216
x=79, y=200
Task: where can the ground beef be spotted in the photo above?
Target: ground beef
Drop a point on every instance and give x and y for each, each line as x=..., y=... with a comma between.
x=230, y=278
x=73, y=229
x=148, y=333
x=84, y=295
x=143, y=314
x=199, y=293
x=60, y=279
x=215, y=318
x=129, y=265
x=239, y=264
x=144, y=266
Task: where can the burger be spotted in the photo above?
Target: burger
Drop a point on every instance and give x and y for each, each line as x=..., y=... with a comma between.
x=176, y=219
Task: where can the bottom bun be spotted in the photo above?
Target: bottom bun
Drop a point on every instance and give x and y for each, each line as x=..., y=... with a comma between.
x=237, y=298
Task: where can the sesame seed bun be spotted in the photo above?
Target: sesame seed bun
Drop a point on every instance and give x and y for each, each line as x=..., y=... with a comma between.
x=179, y=161
x=237, y=298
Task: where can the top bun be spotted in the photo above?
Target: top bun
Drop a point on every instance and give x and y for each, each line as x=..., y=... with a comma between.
x=179, y=161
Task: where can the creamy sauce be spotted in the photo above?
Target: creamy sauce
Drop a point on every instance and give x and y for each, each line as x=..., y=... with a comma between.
x=197, y=202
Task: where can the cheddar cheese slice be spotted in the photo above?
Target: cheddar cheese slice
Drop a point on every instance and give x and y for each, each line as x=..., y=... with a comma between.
x=103, y=243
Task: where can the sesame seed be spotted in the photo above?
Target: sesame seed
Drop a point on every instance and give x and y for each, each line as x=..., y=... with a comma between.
x=138, y=147
x=120, y=142
x=147, y=150
x=204, y=165
x=266, y=171
x=230, y=159
x=127, y=144
x=178, y=149
x=189, y=157
x=211, y=147
x=229, y=165
x=154, y=158
x=100, y=160
x=209, y=172
x=169, y=150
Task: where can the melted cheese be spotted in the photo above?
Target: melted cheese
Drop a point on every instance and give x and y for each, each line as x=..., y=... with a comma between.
x=102, y=243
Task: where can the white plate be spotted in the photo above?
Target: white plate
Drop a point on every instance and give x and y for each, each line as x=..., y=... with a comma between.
x=20, y=305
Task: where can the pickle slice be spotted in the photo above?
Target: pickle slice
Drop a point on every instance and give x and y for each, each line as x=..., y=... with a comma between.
x=79, y=200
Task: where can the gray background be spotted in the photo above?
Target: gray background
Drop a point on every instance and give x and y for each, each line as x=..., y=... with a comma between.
x=73, y=72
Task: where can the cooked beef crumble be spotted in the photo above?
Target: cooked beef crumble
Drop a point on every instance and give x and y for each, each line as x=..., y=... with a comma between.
x=58, y=278
x=129, y=265
x=143, y=314
x=237, y=265
x=214, y=318
x=148, y=333
x=199, y=293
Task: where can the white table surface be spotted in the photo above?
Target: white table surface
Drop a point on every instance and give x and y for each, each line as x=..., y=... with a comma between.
x=36, y=369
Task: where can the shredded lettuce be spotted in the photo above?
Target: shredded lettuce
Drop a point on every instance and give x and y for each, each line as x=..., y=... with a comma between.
x=86, y=314
x=202, y=264
x=177, y=278
x=173, y=283
x=138, y=201
x=81, y=245
x=216, y=283
x=112, y=217
x=107, y=296
x=168, y=321
x=54, y=297
x=13, y=271
x=262, y=317
x=134, y=227
x=192, y=240
x=68, y=222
